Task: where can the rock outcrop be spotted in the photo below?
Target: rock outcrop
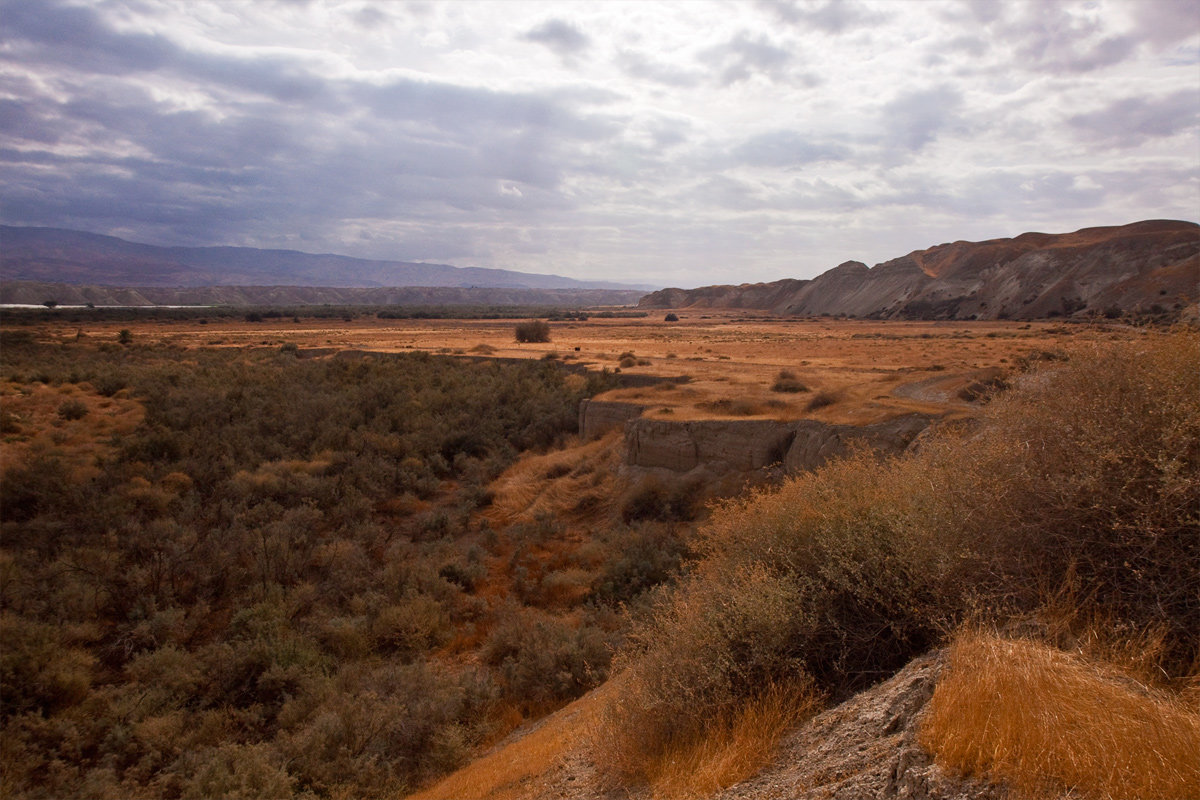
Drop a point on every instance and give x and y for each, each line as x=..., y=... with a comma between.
x=866, y=747
x=724, y=446
x=598, y=417
x=1139, y=267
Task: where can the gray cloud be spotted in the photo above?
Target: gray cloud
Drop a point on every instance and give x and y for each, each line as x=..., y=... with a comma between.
x=638, y=66
x=915, y=118
x=831, y=16
x=1132, y=120
x=787, y=149
x=745, y=56
x=563, y=38
x=1163, y=22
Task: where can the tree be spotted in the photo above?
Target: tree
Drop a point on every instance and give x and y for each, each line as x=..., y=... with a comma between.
x=125, y=336
x=535, y=330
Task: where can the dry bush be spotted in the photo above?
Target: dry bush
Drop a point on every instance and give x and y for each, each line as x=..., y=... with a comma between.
x=823, y=398
x=786, y=381
x=1087, y=471
x=734, y=408
x=1044, y=721
x=731, y=747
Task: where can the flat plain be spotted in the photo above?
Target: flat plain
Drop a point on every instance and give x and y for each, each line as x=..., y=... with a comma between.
x=728, y=361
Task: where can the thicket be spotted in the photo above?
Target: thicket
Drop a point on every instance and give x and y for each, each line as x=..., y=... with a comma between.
x=252, y=593
x=1081, y=481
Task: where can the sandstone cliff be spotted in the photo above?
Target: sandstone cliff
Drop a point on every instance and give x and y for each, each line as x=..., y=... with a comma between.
x=1138, y=267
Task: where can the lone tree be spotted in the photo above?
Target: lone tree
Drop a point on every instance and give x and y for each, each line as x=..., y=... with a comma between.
x=535, y=330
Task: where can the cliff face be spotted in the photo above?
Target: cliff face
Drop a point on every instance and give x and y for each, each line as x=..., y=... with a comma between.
x=1034, y=275
x=733, y=447
x=740, y=446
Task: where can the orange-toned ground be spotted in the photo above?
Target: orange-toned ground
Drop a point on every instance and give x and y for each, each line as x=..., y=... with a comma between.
x=34, y=421
x=872, y=370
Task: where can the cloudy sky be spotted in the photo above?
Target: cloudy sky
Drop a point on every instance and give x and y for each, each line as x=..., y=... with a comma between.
x=678, y=144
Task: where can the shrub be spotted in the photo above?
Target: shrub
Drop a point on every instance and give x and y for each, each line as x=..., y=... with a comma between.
x=544, y=663
x=823, y=398
x=535, y=330
x=653, y=498
x=1086, y=472
x=125, y=336
x=72, y=409
x=672, y=317
x=787, y=381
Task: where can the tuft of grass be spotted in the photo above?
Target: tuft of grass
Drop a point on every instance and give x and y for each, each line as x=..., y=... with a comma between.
x=823, y=398
x=509, y=772
x=732, y=746
x=1044, y=721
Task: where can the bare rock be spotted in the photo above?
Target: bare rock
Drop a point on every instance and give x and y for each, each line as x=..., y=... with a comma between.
x=866, y=748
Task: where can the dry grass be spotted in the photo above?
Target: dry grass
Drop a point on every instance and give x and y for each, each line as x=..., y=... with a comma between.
x=736, y=746
x=510, y=772
x=564, y=484
x=1045, y=721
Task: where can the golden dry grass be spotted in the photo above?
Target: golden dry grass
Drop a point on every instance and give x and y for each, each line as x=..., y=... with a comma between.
x=1046, y=721
x=578, y=481
x=515, y=770
x=735, y=747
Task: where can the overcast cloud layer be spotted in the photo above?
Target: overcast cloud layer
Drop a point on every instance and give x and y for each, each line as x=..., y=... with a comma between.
x=672, y=143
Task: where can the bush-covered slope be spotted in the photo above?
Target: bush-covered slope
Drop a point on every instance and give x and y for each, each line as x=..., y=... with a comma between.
x=1081, y=483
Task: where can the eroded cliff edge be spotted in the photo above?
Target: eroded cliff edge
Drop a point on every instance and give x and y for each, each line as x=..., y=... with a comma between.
x=721, y=447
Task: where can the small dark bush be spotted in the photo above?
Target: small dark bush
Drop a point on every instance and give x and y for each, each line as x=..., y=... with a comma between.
x=672, y=317
x=822, y=399
x=72, y=409
x=787, y=381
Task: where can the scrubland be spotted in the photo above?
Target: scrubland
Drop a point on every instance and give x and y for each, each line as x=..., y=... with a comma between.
x=1066, y=517
x=226, y=569
x=245, y=573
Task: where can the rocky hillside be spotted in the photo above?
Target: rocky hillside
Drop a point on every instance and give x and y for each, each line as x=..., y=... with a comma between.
x=64, y=256
x=1151, y=266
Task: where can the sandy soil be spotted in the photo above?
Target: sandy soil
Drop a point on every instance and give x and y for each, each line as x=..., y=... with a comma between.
x=871, y=370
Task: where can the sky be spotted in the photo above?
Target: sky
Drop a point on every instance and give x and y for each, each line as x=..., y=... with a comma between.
x=667, y=143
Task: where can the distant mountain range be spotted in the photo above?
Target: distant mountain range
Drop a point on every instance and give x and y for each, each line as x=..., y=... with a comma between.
x=1145, y=266
x=56, y=255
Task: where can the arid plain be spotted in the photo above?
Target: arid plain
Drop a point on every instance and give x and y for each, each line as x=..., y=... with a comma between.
x=872, y=369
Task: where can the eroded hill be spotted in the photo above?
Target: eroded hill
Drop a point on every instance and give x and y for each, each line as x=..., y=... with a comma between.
x=1150, y=266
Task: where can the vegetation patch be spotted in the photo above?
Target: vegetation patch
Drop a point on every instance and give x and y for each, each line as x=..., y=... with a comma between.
x=1085, y=474
x=1041, y=720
